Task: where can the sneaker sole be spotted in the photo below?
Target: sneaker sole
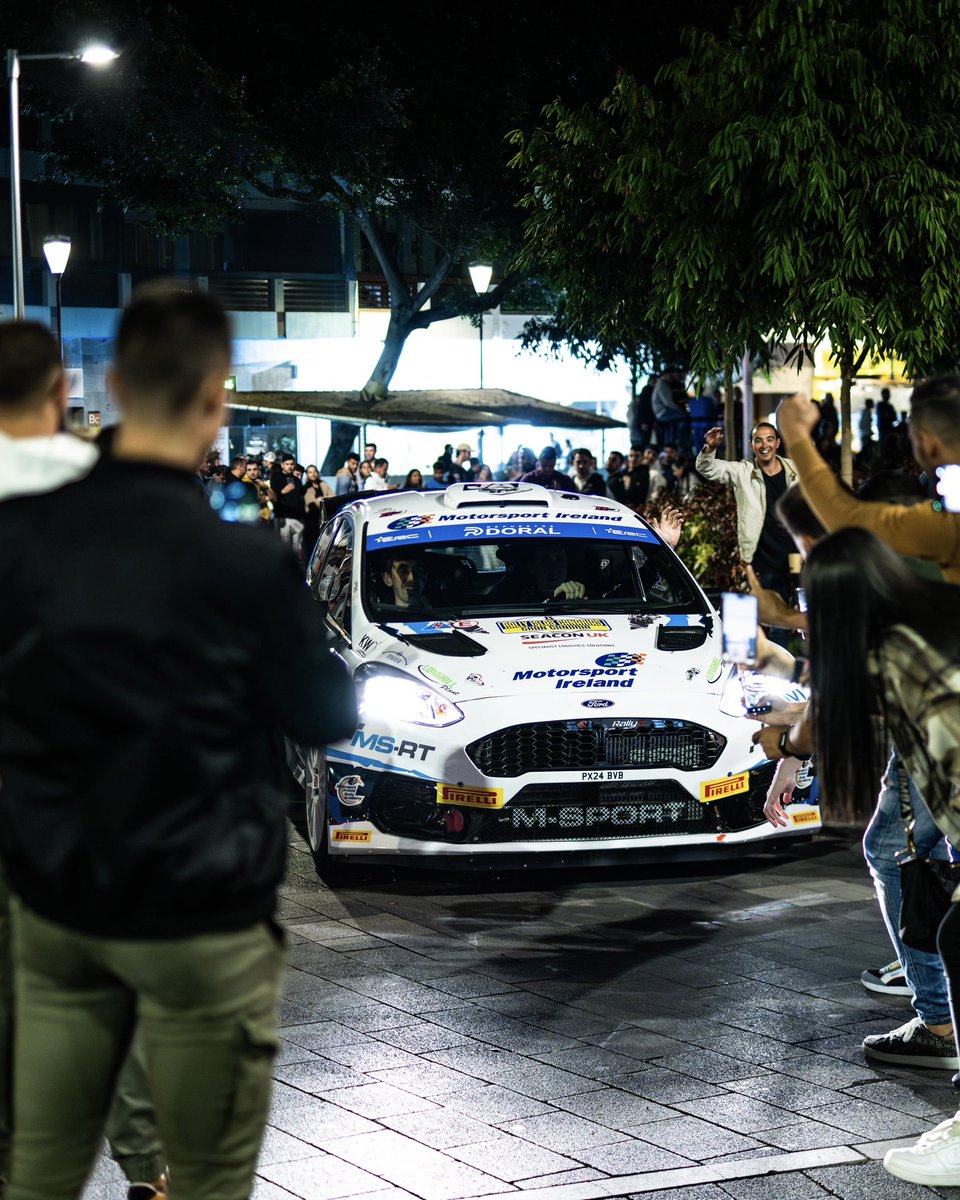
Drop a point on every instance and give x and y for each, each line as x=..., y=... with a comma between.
x=948, y=1063
x=908, y=1172
x=883, y=989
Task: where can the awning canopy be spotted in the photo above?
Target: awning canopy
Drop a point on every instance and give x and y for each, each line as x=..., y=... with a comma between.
x=435, y=409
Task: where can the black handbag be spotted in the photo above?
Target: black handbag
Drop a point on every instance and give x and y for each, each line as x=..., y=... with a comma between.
x=926, y=884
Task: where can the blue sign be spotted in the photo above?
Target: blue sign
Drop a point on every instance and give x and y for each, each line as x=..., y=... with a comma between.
x=521, y=530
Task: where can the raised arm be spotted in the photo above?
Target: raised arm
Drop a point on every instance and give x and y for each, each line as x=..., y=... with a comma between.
x=707, y=464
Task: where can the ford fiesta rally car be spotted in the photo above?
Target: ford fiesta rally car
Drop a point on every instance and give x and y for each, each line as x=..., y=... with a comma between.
x=536, y=671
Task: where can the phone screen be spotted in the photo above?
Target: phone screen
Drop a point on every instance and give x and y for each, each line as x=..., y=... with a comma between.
x=948, y=485
x=738, y=615
x=802, y=599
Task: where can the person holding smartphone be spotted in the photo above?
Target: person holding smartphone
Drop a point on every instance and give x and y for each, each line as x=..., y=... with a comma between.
x=880, y=637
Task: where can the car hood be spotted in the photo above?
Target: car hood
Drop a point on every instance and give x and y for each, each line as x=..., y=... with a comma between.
x=593, y=654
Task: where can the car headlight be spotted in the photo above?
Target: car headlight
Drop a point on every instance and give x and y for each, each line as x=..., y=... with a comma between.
x=384, y=694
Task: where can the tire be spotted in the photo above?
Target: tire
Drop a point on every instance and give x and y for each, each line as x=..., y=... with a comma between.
x=315, y=800
x=317, y=828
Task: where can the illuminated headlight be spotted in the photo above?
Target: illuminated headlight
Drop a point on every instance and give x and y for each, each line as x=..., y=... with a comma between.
x=384, y=694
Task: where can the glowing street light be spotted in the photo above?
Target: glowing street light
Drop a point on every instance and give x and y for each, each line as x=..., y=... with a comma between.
x=480, y=276
x=56, y=250
x=94, y=55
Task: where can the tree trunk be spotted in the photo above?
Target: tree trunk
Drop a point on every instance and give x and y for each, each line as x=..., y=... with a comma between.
x=729, y=424
x=749, y=414
x=343, y=433
x=342, y=436
x=846, y=452
x=397, y=332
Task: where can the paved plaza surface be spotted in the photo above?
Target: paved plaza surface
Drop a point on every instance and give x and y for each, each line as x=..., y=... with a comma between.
x=688, y=1031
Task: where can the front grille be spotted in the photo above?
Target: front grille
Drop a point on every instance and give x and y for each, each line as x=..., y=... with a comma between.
x=596, y=744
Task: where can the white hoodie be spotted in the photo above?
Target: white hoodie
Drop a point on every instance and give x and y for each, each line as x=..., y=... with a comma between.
x=32, y=465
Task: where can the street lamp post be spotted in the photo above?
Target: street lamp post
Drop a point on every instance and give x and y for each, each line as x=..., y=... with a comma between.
x=94, y=56
x=56, y=250
x=480, y=276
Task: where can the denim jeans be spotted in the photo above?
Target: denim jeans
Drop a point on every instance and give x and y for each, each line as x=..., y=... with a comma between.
x=884, y=837
x=781, y=583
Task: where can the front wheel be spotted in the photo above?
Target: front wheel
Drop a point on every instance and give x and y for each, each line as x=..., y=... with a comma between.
x=315, y=801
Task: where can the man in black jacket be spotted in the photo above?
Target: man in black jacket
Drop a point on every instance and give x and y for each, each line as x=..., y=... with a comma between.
x=142, y=810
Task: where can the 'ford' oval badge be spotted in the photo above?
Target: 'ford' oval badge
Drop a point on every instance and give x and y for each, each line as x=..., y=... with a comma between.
x=598, y=704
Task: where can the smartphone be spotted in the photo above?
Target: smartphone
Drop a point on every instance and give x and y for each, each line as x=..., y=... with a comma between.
x=802, y=599
x=738, y=615
x=948, y=485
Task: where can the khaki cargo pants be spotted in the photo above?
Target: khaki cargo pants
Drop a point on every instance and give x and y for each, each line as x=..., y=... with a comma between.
x=131, y=1125
x=206, y=1011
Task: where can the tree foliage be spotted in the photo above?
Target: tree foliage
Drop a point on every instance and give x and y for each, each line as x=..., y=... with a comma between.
x=798, y=176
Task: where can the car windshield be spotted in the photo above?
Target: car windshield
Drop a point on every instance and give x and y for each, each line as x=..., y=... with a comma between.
x=503, y=575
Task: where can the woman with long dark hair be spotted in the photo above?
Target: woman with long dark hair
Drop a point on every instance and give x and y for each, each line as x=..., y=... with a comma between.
x=413, y=481
x=885, y=641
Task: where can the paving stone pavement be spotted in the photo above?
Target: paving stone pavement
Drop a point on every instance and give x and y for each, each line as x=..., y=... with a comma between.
x=689, y=1031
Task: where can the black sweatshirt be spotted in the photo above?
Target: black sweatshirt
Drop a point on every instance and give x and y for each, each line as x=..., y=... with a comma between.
x=150, y=659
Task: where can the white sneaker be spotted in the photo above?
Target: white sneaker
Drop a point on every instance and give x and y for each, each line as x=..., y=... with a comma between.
x=934, y=1160
x=888, y=980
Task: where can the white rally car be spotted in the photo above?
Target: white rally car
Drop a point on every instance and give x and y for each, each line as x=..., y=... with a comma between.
x=536, y=672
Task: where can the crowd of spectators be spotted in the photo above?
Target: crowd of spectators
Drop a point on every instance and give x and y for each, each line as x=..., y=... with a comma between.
x=279, y=493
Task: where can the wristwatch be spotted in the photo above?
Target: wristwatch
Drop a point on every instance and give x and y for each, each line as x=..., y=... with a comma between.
x=783, y=743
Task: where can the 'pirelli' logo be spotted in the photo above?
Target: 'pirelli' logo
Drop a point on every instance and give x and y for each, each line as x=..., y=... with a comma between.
x=352, y=835
x=469, y=797
x=719, y=789
x=808, y=814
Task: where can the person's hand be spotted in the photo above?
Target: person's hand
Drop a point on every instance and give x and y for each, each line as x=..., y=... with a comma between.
x=713, y=437
x=771, y=658
x=780, y=712
x=767, y=737
x=797, y=417
x=781, y=792
x=571, y=590
x=772, y=609
x=669, y=524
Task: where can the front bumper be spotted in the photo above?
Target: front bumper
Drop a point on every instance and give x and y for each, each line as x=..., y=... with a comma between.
x=393, y=813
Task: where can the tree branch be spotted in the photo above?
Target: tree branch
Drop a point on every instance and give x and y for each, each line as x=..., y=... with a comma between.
x=433, y=281
x=481, y=304
x=373, y=232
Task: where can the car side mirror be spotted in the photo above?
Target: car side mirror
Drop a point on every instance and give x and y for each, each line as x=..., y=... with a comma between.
x=326, y=587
